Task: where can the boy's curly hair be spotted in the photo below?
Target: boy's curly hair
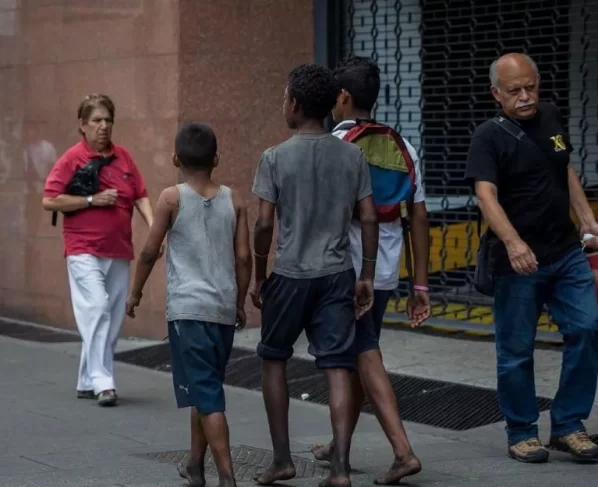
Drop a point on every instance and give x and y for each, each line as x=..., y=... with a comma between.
x=314, y=88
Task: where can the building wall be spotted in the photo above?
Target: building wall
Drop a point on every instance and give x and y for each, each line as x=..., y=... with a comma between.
x=235, y=56
x=162, y=61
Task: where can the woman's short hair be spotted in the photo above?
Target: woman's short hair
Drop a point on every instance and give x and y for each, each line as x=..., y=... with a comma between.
x=93, y=101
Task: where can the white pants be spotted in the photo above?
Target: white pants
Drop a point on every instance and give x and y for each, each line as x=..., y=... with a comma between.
x=99, y=293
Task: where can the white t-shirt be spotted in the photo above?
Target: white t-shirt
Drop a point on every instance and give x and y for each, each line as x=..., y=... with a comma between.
x=390, y=240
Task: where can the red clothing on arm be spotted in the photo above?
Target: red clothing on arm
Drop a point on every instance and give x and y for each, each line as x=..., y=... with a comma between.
x=104, y=232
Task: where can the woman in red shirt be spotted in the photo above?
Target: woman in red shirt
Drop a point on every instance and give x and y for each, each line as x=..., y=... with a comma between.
x=98, y=241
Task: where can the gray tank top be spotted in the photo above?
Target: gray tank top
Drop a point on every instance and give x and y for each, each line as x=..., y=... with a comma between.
x=201, y=280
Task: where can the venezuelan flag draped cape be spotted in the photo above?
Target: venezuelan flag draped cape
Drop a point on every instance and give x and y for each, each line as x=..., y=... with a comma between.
x=392, y=170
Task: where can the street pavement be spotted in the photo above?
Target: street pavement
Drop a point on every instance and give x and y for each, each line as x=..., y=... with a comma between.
x=49, y=438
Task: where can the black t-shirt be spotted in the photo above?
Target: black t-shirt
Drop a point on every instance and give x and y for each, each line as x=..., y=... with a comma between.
x=532, y=180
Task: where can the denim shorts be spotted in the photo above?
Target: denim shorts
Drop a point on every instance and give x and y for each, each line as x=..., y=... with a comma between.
x=200, y=353
x=323, y=307
x=369, y=326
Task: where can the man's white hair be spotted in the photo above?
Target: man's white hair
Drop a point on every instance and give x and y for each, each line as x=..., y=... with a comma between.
x=494, y=76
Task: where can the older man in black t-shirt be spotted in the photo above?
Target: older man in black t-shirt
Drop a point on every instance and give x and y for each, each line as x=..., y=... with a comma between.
x=525, y=187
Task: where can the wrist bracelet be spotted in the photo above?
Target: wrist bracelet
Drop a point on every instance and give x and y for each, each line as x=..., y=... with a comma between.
x=265, y=256
x=365, y=259
x=424, y=289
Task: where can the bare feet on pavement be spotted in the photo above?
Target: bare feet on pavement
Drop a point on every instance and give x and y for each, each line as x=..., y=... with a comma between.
x=335, y=481
x=400, y=468
x=275, y=473
x=193, y=473
x=324, y=453
x=226, y=482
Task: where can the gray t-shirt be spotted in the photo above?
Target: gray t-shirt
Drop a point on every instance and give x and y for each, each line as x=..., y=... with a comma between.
x=315, y=182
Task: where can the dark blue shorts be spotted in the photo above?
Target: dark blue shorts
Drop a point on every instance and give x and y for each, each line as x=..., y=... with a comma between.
x=323, y=307
x=200, y=352
x=369, y=326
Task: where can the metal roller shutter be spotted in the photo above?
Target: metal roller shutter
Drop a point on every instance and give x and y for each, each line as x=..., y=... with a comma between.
x=434, y=57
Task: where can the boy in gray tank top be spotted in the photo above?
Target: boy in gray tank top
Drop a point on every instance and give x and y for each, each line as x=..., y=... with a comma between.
x=208, y=275
x=314, y=181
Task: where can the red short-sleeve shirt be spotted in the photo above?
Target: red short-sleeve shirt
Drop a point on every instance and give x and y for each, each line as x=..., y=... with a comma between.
x=104, y=232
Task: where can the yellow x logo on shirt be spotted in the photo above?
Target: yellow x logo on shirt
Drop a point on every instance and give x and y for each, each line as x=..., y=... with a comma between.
x=559, y=143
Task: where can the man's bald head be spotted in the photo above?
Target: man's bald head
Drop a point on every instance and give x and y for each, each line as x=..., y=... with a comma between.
x=509, y=63
x=514, y=82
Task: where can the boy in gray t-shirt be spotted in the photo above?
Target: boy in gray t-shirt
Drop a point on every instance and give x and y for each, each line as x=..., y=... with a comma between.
x=315, y=182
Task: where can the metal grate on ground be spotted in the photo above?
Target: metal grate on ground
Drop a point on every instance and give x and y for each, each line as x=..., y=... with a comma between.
x=436, y=403
x=247, y=461
x=35, y=333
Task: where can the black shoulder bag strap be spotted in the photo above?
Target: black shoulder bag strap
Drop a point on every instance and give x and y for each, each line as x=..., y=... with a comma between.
x=512, y=129
x=509, y=127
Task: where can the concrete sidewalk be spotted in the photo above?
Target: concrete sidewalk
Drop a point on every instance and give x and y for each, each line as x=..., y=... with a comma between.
x=49, y=438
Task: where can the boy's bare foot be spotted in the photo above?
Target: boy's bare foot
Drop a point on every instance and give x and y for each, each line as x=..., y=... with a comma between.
x=323, y=453
x=224, y=481
x=275, y=473
x=335, y=481
x=401, y=467
x=193, y=473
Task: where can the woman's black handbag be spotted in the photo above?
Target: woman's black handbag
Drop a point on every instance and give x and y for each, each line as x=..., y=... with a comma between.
x=85, y=181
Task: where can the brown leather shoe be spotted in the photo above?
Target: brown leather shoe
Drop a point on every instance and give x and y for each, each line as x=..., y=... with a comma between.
x=529, y=451
x=107, y=398
x=578, y=444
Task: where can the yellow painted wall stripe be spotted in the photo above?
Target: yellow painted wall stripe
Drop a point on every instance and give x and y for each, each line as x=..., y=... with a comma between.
x=456, y=244
x=476, y=314
x=452, y=247
x=449, y=245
